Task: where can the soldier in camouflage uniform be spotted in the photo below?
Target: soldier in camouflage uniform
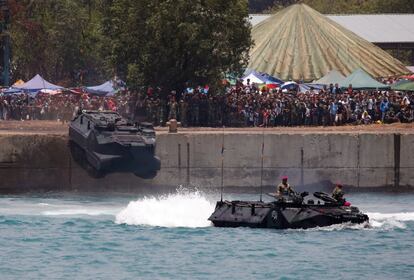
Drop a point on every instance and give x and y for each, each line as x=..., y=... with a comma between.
x=338, y=194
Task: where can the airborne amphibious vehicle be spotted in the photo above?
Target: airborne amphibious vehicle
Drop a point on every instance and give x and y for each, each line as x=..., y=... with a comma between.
x=286, y=212
x=104, y=142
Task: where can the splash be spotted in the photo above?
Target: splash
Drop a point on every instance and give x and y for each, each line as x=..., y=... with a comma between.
x=391, y=220
x=377, y=221
x=181, y=209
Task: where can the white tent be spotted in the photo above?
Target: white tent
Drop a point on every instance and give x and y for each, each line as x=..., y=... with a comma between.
x=255, y=78
x=37, y=83
x=333, y=77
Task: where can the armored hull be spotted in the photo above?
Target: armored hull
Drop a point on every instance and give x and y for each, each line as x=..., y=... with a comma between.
x=104, y=142
x=283, y=214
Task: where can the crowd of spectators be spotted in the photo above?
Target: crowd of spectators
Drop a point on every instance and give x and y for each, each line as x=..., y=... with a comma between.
x=236, y=106
x=59, y=107
x=251, y=106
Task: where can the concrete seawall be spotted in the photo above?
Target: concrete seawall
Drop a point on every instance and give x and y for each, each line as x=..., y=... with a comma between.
x=39, y=162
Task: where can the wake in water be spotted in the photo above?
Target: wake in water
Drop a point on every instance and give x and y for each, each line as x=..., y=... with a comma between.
x=182, y=209
x=377, y=221
x=185, y=208
x=390, y=221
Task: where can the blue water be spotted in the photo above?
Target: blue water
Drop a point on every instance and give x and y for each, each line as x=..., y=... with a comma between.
x=66, y=236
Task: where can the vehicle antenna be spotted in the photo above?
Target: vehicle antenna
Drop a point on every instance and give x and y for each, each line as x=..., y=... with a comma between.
x=222, y=166
x=261, y=169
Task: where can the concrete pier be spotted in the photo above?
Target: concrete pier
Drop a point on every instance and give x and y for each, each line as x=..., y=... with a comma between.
x=42, y=162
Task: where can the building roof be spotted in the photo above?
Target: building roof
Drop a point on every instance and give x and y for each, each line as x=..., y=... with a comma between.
x=299, y=43
x=378, y=28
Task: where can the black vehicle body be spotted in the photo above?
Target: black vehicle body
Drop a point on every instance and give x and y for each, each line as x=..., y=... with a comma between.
x=285, y=213
x=104, y=142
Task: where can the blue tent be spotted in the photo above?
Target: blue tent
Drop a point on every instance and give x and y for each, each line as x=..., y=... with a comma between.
x=12, y=91
x=109, y=88
x=289, y=86
x=271, y=79
x=37, y=83
x=103, y=89
x=307, y=87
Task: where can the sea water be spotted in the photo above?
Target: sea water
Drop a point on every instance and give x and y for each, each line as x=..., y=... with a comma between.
x=67, y=236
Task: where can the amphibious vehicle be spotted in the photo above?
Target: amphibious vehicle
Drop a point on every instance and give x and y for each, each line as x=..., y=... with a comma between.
x=103, y=142
x=286, y=212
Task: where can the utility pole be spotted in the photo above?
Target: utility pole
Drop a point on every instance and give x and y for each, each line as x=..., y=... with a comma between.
x=5, y=41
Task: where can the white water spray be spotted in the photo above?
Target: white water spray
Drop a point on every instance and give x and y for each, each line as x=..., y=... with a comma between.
x=182, y=209
x=377, y=221
x=391, y=220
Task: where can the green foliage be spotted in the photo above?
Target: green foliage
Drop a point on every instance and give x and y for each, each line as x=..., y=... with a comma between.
x=170, y=43
x=56, y=38
x=148, y=42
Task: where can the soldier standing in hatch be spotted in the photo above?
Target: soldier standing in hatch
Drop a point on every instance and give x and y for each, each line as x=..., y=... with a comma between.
x=338, y=194
x=284, y=188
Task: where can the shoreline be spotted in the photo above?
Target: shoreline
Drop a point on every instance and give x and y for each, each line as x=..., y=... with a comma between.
x=57, y=128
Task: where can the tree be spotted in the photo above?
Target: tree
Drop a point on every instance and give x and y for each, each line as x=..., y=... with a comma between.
x=171, y=43
x=56, y=38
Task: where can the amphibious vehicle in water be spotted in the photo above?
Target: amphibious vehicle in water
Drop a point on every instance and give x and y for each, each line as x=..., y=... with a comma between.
x=286, y=212
x=104, y=142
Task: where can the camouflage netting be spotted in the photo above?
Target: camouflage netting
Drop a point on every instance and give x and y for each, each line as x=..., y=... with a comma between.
x=299, y=43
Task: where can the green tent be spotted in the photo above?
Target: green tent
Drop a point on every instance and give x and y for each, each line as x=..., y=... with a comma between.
x=359, y=79
x=299, y=43
x=333, y=77
x=403, y=85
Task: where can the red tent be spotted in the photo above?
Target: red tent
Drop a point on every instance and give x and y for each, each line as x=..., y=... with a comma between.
x=408, y=77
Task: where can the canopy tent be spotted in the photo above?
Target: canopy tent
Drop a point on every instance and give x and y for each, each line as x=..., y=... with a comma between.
x=408, y=77
x=299, y=43
x=289, y=85
x=261, y=78
x=403, y=85
x=271, y=79
x=360, y=79
x=37, y=83
x=109, y=88
x=309, y=87
x=333, y=77
x=12, y=91
x=254, y=77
